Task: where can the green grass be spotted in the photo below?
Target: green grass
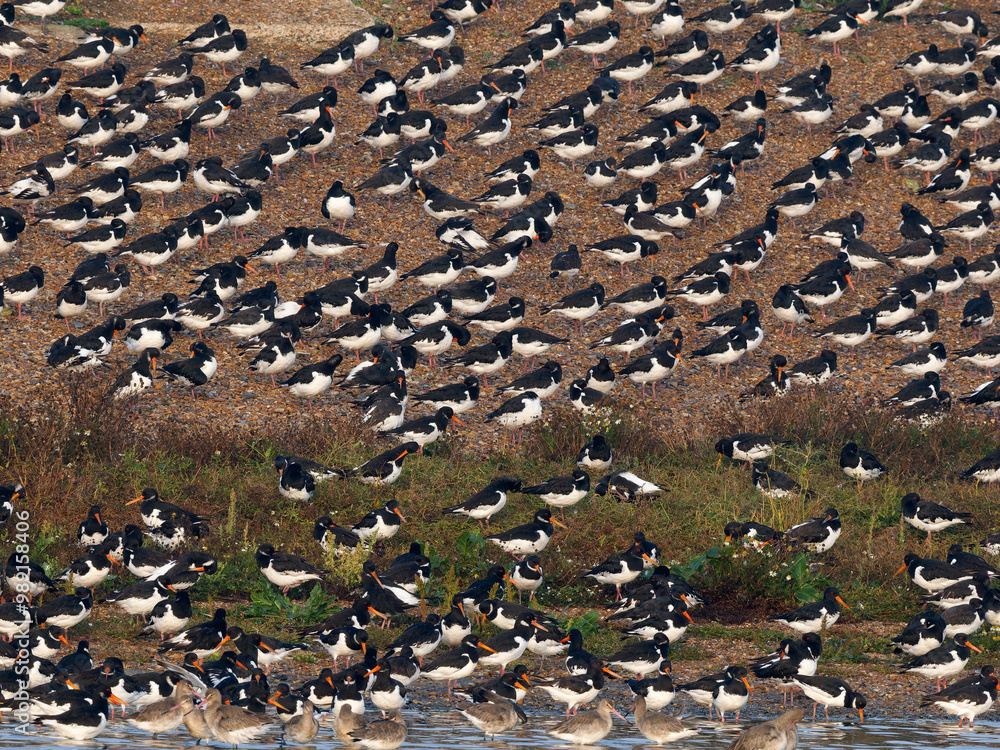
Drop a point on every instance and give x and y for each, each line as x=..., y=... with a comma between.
x=80, y=450
x=79, y=18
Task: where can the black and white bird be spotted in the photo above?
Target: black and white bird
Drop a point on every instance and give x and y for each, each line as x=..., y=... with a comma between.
x=630, y=335
x=461, y=397
x=494, y=128
x=527, y=539
x=620, y=569
x=385, y=468
x=436, y=35
x=836, y=29
x=748, y=447
x=815, y=617
x=916, y=390
x=224, y=48
x=860, y=464
x=294, y=482
x=518, y=412
x=943, y=662
x=978, y=312
x=704, y=292
x=597, y=40
x=773, y=483
x=195, y=371
x=579, y=305
x=338, y=204
x=576, y=144
x=285, y=570
x=489, y=501
x=22, y=287
x=851, y=331
x=932, y=358
x=929, y=516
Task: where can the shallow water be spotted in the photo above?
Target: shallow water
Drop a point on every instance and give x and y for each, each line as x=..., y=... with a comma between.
x=448, y=730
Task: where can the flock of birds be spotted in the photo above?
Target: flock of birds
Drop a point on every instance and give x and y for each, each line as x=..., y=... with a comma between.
x=268, y=329
x=227, y=699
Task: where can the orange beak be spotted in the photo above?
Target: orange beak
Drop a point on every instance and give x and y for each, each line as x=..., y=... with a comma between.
x=98, y=517
x=861, y=20
x=975, y=648
x=63, y=639
x=899, y=571
x=275, y=703
x=375, y=612
x=560, y=525
x=373, y=670
x=688, y=616
x=249, y=269
x=748, y=685
x=493, y=651
x=116, y=701
x=850, y=283
x=225, y=640
x=861, y=715
x=447, y=145
x=397, y=509
x=456, y=419
x=133, y=502
x=842, y=604
x=608, y=671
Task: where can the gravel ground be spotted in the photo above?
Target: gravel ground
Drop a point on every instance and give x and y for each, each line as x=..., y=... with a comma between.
x=864, y=75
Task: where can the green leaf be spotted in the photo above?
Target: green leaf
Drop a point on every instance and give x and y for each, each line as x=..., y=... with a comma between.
x=807, y=594
x=799, y=567
x=587, y=623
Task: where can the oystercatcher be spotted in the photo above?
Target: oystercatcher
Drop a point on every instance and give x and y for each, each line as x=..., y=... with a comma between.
x=527, y=539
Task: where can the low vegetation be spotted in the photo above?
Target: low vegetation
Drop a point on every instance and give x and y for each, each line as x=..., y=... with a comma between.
x=78, y=449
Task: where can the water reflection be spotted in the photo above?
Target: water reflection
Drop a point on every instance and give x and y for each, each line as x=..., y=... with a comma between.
x=445, y=729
